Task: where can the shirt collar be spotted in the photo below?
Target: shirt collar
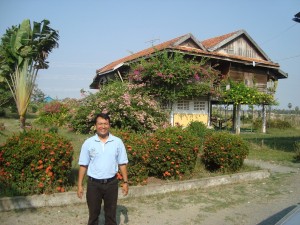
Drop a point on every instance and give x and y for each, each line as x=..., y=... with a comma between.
x=110, y=138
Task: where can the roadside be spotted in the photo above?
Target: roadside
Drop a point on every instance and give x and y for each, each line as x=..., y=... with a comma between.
x=253, y=202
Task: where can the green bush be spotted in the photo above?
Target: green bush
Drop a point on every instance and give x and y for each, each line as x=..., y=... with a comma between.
x=54, y=113
x=297, y=151
x=128, y=106
x=273, y=123
x=172, y=153
x=224, y=151
x=35, y=162
x=199, y=129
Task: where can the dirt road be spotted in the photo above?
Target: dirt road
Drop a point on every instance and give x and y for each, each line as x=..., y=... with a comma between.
x=261, y=202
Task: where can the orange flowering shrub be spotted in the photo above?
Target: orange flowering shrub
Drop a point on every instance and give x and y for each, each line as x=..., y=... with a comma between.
x=224, y=151
x=173, y=152
x=137, y=147
x=35, y=162
x=167, y=153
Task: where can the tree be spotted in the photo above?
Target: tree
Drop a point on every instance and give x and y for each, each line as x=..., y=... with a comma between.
x=37, y=95
x=297, y=109
x=290, y=106
x=24, y=51
x=240, y=94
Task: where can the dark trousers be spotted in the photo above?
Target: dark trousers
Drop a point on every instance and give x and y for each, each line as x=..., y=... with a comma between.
x=108, y=192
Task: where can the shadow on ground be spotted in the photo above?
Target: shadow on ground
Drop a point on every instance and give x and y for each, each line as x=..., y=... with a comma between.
x=122, y=215
x=278, y=216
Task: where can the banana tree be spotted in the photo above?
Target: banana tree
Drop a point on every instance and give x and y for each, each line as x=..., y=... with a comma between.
x=24, y=51
x=21, y=86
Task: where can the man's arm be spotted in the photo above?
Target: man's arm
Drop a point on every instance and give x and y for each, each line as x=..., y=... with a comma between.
x=81, y=174
x=123, y=169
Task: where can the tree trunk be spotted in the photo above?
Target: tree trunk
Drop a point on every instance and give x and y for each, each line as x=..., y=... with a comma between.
x=22, y=122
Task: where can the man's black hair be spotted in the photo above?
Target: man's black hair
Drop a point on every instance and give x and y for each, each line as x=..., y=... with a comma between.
x=102, y=115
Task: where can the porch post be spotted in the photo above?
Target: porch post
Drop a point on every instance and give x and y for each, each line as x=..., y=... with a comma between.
x=238, y=119
x=264, y=119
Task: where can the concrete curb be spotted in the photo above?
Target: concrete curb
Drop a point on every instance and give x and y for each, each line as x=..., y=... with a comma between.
x=67, y=198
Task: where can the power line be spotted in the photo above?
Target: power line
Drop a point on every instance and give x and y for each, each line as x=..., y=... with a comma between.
x=276, y=36
x=292, y=57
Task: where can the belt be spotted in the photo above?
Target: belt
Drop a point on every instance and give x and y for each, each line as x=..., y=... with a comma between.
x=102, y=181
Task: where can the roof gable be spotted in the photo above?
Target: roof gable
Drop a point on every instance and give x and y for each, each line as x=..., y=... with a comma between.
x=236, y=43
x=187, y=40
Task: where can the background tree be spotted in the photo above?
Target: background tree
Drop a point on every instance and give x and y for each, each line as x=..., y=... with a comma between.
x=297, y=109
x=37, y=95
x=24, y=50
x=290, y=106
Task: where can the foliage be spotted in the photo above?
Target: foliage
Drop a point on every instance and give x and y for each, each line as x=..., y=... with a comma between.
x=297, y=151
x=35, y=162
x=23, y=52
x=37, y=95
x=240, y=94
x=25, y=42
x=172, y=153
x=129, y=108
x=273, y=123
x=167, y=153
x=172, y=76
x=224, y=151
x=21, y=86
x=54, y=113
x=137, y=146
x=199, y=129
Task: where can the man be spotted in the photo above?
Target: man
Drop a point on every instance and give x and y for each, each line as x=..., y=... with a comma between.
x=102, y=156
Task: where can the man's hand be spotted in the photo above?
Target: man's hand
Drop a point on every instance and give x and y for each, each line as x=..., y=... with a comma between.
x=125, y=189
x=80, y=192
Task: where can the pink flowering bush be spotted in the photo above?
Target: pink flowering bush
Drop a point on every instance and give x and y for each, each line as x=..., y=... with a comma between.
x=128, y=106
x=172, y=76
x=52, y=114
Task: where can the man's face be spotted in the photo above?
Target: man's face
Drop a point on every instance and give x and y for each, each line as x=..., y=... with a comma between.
x=102, y=127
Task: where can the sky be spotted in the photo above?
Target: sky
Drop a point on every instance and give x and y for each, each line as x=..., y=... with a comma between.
x=94, y=33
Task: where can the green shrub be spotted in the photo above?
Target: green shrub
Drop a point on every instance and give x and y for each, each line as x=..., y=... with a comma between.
x=128, y=106
x=172, y=153
x=54, y=113
x=199, y=129
x=35, y=162
x=273, y=123
x=297, y=151
x=224, y=151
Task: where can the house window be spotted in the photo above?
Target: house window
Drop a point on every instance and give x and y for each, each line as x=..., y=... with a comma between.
x=199, y=105
x=183, y=105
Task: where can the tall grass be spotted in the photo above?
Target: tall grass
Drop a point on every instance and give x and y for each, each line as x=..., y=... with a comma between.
x=276, y=145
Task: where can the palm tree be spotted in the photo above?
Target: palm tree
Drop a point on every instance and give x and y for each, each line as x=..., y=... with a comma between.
x=24, y=51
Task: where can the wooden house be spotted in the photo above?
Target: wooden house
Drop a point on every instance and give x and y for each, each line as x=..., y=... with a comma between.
x=236, y=55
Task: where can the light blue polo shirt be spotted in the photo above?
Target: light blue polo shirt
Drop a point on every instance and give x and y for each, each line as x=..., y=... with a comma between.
x=103, y=159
